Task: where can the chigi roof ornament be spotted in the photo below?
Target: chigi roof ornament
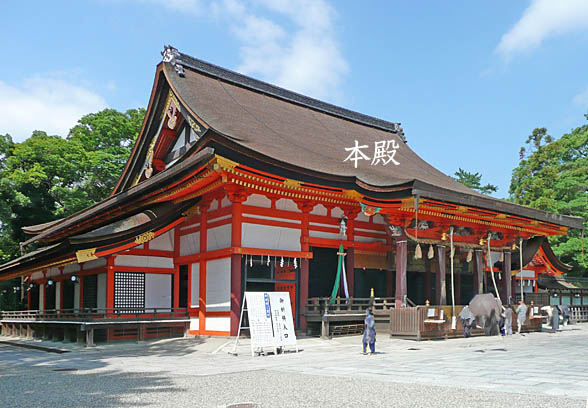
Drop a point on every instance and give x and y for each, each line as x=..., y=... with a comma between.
x=172, y=55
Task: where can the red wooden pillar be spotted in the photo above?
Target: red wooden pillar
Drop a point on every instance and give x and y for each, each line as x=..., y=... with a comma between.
x=401, y=263
x=441, y=292
x=305, y=208
x=110, y=283
x=202, y=281
x=29, y=297
x=236, y=196
x=176, y=278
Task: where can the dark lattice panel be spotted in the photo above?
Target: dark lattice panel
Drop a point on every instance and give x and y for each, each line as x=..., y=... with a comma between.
x=129, y=291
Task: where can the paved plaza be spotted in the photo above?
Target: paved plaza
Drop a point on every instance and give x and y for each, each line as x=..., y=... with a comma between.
x=533, y=370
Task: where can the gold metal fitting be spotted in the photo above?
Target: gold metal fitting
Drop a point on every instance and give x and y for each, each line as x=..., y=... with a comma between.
x=444, y=236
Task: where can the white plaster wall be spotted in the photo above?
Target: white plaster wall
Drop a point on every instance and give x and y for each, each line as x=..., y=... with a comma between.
x=190, y=244
x=319, y=210
x=218, y=285
x=269, y=237
x=225, y=202
x=164, y=242
x=362, y=217
x=213, y=205
x=359, y=238
x=41, y=297
x=76, y=296
x=194, y=324
x=218, y=324
x=195, y=285
x=53, y=272
x=219, y=237
x=158, y=290
x=57, y=295
x=37, y=275
x=72, y=268
x=101, y=281
x=322, y=234
x=144, y=261
x=95, y=263
x=258, y=200
x=337, y=213
x=287, y=205
x=379, y=219
x=527, y=274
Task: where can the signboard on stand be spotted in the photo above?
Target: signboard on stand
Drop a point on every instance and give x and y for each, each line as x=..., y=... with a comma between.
x=270, y=321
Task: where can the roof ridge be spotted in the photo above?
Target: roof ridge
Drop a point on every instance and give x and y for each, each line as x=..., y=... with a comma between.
x=180, y=60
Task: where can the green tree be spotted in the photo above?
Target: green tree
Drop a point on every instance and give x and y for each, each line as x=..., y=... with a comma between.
x=474, y=181
x=48, y=177
x=552, y=175
x=107, y=138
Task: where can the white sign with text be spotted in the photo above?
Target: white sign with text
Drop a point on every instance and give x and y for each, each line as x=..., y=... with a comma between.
x=270, y=320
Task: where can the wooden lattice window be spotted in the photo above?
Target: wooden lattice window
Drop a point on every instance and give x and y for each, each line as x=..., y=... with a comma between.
x=129, y=292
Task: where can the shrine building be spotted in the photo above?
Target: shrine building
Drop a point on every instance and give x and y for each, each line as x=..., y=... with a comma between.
x=237, y=185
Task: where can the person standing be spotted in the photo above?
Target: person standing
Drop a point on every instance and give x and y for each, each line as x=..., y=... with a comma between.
x=521, y=315
x=508, y=321
x=369, y=332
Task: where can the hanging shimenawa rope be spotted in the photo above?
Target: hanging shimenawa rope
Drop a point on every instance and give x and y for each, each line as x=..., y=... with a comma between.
x=489, y=262
x=418, y=253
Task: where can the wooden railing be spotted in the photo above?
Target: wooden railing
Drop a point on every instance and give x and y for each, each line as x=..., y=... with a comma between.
x=579, y=313
x=95, y=313
x=327, y=305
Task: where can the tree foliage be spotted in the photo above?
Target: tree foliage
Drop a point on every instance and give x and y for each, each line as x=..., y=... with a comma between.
x=552, y=175
x=48, y=177
x=474, y=181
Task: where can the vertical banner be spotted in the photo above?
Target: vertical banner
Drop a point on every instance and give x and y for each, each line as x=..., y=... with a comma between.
x=283, y=324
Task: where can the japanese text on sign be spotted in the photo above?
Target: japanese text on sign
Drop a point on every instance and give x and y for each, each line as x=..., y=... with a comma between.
x=383, y=153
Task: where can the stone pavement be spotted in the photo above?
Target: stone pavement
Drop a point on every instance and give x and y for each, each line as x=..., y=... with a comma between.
x=536, y=369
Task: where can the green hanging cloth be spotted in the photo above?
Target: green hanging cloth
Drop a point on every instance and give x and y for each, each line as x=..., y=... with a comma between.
x=338, y=278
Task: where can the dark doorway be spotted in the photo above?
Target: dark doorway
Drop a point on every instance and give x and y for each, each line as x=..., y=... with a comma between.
x=90, y=290
x=183, y=301
x=259, y=275
x=366, y=279
x=68, y=293
x=322, y=271
x=34, y=293
x=50, y=296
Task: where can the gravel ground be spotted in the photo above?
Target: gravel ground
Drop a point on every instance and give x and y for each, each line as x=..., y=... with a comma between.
x=44, y=387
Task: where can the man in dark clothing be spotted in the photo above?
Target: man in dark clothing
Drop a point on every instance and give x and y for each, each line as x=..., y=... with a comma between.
x=369, y=332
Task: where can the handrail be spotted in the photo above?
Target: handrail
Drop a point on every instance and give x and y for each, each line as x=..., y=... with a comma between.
x=93, y=313
x=321, y=305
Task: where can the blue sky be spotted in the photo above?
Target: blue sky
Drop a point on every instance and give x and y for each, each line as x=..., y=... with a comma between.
x=468, y=80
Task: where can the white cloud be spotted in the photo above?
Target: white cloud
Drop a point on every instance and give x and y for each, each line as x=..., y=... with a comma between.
x=581, y=98
x=305, y=58
x=187, y=6
x=48, y=104
x=542, y=19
